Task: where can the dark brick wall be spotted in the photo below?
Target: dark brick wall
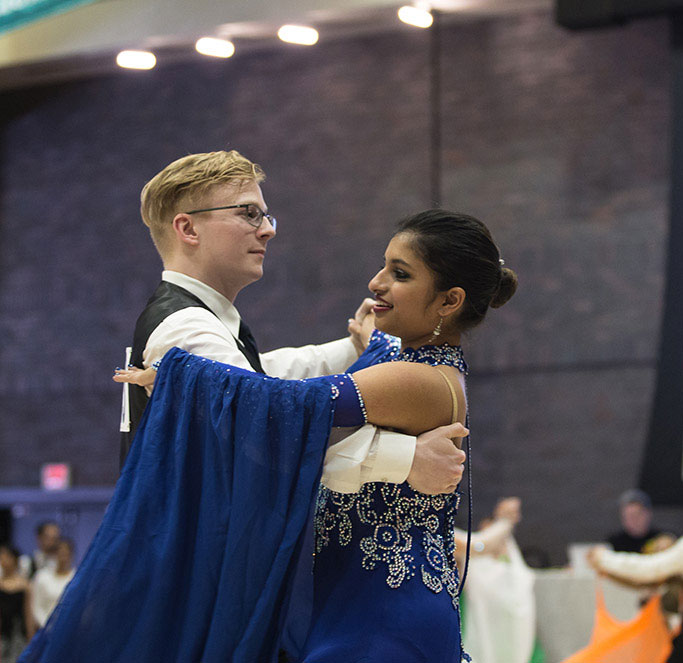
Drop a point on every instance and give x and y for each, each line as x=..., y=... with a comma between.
x=557, y=140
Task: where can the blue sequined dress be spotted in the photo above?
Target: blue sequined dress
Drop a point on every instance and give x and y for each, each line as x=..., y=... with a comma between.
x=385, y=581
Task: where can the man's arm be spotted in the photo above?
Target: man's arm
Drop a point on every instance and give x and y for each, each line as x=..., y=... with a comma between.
x=198, y=331
x=431, y=463
x=310, y=361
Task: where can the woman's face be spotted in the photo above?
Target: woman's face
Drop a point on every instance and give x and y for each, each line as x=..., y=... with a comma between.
x=63, y=554
x=407, y=304
x=7, y=562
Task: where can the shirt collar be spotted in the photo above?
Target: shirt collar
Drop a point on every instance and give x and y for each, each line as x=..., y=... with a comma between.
x=220, y=306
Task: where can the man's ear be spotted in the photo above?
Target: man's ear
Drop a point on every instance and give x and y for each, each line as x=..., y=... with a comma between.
x=184, y=229
x=453, y=301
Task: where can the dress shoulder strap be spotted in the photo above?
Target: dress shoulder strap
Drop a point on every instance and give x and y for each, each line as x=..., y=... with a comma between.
x=454, y=417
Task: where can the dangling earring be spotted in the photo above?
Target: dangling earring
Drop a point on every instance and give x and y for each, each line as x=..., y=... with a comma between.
x=436, y=333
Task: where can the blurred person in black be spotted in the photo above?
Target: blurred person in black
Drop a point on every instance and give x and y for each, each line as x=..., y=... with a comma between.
x=13, y=606
x=635, y=513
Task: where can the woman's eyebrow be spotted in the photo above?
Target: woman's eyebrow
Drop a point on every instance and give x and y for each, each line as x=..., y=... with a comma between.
x=394, y=261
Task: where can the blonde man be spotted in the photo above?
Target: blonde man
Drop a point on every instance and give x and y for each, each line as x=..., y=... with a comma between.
x=210, y=224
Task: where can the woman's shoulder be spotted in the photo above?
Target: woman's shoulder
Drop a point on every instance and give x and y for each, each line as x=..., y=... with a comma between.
x=381, y=348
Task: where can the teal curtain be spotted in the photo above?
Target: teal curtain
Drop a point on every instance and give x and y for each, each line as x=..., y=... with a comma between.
x=15, y=13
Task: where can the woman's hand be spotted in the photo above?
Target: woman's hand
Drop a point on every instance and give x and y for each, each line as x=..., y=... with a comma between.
x=593, y=557
x=361, y=325
x=510, y=508
x=134, y=375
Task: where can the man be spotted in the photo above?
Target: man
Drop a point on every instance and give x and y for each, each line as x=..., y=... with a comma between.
x=635, y=512
x=196, y=555
x=209, y=222
x=47, y=537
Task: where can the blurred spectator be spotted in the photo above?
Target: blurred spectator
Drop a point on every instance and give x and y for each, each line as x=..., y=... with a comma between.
x=47, y=538
x=635, y=512
x=500, y=609
x=14, y=611
x=49, y=583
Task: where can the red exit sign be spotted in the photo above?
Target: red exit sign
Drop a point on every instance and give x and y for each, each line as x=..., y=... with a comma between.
x=55, y=476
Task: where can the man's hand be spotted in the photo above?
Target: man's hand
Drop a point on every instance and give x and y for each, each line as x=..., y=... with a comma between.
x=361, y=325
x=438, y=463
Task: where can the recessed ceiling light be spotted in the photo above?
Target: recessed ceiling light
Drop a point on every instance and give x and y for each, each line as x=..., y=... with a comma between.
x=298, y=34
x=217, y=48
x=136, y=60
x=420, y=18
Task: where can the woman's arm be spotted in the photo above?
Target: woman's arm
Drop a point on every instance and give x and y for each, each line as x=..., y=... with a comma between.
x=412, y=398
x=29, y=622
x=638, y=568
x=409, y=397
x=491, y=537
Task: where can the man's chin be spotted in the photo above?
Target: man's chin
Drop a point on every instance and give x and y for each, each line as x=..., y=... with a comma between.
x=256, y=274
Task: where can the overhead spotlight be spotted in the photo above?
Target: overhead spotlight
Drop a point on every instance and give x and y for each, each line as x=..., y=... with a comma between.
x=136, y=60
x=420, y=18
x=298, y=34
x=217, y=48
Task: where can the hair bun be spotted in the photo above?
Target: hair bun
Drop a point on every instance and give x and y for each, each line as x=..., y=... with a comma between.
x=507, y=288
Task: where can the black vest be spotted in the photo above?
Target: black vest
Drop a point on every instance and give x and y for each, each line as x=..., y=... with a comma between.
x=167, y=299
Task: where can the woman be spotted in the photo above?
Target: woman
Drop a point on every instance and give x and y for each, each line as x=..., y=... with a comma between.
x=13, y=606
x=49, y=583
x=664, y=565
x=500, y=612
x=386, y=584
x=442, y=273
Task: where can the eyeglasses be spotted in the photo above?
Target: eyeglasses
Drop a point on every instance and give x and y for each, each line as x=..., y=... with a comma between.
x=253, y=215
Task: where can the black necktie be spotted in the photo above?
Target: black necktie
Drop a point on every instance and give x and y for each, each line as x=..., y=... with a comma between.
x=249, y=349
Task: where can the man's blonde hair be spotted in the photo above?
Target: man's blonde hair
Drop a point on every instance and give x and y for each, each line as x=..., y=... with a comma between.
x=184, y=181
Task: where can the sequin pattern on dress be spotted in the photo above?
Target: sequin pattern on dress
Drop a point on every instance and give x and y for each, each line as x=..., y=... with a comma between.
x=398, y=530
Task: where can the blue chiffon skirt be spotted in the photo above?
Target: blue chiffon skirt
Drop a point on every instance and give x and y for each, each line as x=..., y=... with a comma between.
x=194, y=558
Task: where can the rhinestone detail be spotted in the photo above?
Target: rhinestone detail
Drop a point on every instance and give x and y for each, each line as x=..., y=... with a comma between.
x=391, y=518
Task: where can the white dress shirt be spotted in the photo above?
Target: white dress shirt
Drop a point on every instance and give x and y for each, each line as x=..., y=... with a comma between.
x=353, y=457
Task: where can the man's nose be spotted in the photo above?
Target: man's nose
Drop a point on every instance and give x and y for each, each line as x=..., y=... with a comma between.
x=266, y=229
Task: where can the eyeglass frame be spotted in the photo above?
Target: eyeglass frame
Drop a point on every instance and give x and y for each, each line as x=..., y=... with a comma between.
x=271, y=219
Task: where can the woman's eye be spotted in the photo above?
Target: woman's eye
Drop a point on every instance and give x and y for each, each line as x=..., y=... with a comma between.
x=401, y=275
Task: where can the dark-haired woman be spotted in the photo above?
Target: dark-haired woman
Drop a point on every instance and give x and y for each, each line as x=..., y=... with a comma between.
x=207, y=491
x=386, y=583
x=13, y=606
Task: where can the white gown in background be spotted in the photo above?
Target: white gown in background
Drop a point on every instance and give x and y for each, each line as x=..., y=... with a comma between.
x=500, y=614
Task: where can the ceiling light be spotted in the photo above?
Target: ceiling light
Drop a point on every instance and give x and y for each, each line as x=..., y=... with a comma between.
x=420, y=18
x=217, y=48
x=298, y=34
x=136, y=60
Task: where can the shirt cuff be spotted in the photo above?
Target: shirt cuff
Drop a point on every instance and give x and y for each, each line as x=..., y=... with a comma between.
x=343, y=351
x=392, y=458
